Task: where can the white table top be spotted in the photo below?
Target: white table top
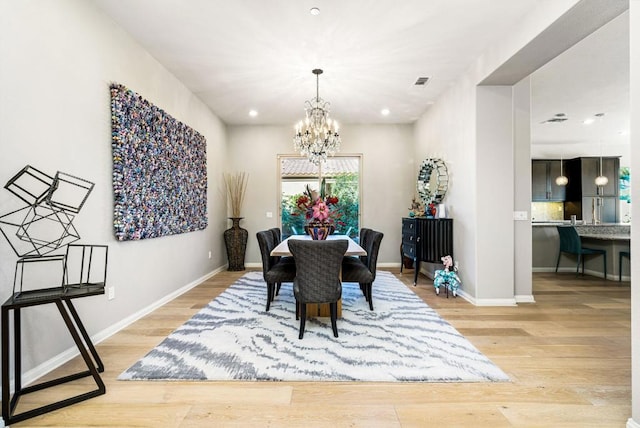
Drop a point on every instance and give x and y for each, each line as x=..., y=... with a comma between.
x=282, y=249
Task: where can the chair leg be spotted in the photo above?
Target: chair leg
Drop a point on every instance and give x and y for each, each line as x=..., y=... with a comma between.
x=369, y=296
x=269, y=293
x=333, y=309
x=558, y=262
x=604, y=256
x=303, y=317
x=578, y=266
x=297, y=310
x=620, y=268
x=278, y=289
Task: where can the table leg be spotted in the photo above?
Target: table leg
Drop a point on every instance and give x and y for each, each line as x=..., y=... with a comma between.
x=322, y=310
x=69, y=315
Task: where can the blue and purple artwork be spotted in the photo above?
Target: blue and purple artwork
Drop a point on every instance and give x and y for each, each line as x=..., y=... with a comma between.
x=159, y=170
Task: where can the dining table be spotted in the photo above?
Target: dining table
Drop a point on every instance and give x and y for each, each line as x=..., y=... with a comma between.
x=282, y=250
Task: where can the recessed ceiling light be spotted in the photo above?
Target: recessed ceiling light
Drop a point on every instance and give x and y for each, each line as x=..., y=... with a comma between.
x=588, y=121
x=385, y=112
x=314, y=11
x=253, y=113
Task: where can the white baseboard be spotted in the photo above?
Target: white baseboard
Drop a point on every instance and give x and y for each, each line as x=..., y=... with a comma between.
x=632, y=424
x=388, y=265
x=60, y=359
x=253, y=265
x=524, y=298
x=596, y=273
x=495, y=302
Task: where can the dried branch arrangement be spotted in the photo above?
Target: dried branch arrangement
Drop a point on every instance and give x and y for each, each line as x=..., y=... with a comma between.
x=236, y=187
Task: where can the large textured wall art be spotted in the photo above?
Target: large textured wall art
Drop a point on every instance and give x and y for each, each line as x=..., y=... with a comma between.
x=159, y=170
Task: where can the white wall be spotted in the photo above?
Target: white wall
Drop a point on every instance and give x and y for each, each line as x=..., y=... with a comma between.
x=522, y=190
x=388, y=178
x=447, y=131
x=634, y=120
x=449, y=128
x=494, y=179
x=58, y=59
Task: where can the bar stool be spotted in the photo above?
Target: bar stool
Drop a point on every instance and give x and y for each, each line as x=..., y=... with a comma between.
x=626, y=254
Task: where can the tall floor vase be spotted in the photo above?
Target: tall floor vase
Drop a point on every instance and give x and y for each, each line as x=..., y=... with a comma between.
x=235, y=238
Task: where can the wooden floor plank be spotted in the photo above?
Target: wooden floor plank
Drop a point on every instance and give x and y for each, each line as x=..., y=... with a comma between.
x=568, y=357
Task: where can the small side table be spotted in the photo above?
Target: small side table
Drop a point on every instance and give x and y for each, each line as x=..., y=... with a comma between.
x=62, y=298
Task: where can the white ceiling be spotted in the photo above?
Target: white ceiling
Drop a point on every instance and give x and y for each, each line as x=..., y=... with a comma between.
x=590, y=78
x=249, y=54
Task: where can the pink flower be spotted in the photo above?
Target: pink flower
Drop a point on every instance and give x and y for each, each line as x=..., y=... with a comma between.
x=320, y=211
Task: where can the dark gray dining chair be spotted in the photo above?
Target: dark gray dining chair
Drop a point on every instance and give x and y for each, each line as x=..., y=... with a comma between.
x=571, y=243
x=277, y=237
x=364, y=239
x=364, y=272
x=318, y=265
x=274, y=271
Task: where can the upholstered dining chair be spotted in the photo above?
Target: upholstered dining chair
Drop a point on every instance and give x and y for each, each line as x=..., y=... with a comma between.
x=364, y=238
x=571, y=243
x=274, y=271
x=277, y=237
x=317, y=279
x=364, y=272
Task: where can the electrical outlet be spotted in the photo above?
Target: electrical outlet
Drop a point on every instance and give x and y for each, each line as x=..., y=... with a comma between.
x=269, y=214
x=455, y=265
x=112, y=293
x=209, y=254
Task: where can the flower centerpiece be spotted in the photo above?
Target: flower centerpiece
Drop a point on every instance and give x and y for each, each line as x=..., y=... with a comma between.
x=321, y=212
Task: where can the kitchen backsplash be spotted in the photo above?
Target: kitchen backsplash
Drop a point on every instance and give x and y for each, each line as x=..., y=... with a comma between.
x=547, y=211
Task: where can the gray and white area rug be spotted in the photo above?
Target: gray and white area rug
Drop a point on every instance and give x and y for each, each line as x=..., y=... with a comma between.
x=233, y=337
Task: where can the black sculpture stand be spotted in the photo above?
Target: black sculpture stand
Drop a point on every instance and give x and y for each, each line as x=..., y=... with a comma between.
x=62, y=299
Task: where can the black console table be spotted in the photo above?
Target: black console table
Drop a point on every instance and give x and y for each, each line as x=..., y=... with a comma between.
x=62, y=298
x=426, y=240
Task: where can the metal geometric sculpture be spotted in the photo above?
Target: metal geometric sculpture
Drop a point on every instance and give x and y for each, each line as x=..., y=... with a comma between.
x=45, y=223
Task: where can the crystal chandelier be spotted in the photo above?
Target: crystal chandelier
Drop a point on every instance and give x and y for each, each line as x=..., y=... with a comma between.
x=317, y=135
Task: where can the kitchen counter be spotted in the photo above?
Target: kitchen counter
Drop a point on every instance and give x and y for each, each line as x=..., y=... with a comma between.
x=612, y=237
x=606, y=236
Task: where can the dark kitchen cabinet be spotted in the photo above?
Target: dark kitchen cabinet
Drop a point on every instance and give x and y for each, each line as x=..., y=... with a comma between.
x=591, y=169
x=582, y=190
x=543, y=181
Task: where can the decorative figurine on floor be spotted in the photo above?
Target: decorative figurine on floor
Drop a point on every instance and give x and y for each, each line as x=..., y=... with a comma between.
x=447, y=277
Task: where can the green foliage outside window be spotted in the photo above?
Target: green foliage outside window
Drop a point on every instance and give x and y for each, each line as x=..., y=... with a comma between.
x=345, y=187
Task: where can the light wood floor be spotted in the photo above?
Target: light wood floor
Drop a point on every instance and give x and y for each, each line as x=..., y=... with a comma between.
x=568, y=356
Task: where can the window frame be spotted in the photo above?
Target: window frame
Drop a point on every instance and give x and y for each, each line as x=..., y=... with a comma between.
x=319, y=177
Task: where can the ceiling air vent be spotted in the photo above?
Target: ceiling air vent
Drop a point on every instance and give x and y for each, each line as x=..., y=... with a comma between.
x=560, y=117
x=422, y=81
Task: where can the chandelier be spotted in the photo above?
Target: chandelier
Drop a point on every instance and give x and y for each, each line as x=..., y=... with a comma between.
x=317, y=135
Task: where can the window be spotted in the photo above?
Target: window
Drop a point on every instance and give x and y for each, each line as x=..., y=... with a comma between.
x=342, y=179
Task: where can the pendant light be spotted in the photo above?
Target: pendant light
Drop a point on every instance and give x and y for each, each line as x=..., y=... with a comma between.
x=561, y=180
x=601, y=180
